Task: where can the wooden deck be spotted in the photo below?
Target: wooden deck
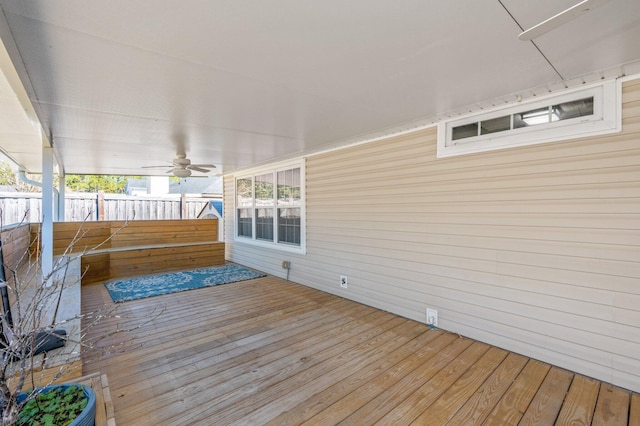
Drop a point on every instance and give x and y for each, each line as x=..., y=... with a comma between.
x=268, y=351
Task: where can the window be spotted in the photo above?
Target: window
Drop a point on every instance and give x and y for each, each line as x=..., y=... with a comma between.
x=577, y=113
x=269, y=208
x=264, y=206
x=289, y=206
x=244, y=201
x=549, y=114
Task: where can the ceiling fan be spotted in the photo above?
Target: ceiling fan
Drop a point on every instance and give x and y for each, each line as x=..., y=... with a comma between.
x=181, y=166
x=560, y=19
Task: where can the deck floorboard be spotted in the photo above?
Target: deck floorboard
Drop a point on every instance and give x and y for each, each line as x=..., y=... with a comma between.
x=268, y=351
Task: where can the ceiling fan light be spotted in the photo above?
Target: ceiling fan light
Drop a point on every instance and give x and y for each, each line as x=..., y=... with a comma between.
x=181, y=173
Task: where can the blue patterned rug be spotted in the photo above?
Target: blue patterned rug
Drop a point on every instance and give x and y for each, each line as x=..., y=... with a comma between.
x=155, y=285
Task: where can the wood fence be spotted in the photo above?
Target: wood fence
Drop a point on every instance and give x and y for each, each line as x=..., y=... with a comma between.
x=20, y=207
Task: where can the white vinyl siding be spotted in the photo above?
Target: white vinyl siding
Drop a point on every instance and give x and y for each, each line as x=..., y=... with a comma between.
x=534, y=249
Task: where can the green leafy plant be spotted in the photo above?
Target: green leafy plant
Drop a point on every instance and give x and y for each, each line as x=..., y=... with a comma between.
x=54, y=406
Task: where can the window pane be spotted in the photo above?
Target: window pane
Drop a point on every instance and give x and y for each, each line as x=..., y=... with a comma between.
x=465, y=131
x=289, y=187
x=534, y=117
x=289, y=225
x=264, y=190
x=244, y=223
x=494, y=125
x=264, y=224
x=244, y=193
x=579, y=108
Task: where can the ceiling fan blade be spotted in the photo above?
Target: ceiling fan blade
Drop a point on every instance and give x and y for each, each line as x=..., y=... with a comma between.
x=198, y=169
x=207, y=166
x=560, y=19
x=157, y=167
x=181, y=166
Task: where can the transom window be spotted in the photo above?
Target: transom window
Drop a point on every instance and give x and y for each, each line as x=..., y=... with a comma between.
x=519, y=120
x=576, y=113
x=269, y=208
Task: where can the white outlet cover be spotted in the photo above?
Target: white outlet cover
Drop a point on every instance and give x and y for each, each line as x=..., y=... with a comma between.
x=343, y=281
x=432, y=316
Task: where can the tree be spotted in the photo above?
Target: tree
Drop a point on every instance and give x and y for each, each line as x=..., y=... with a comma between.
x=77, y=183
x=9, y=177
x=95, y=183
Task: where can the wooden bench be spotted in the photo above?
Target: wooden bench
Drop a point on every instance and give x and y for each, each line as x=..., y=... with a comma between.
x=114, y=249
x=116, y=262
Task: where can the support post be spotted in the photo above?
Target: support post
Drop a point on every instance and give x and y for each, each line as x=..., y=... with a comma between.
x=61, y=196
x=100, y=206
x=47, y=212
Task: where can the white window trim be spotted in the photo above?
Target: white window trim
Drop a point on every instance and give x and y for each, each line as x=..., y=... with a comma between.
x=607, y=118
x=302, y=248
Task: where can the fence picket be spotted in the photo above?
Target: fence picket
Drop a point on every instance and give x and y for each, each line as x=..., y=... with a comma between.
x=17, y=207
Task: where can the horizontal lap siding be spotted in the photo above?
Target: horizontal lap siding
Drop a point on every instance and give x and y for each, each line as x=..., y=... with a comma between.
x=535, y=249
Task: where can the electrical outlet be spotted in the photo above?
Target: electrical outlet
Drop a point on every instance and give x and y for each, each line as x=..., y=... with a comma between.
x=343, y=281
x=432, y=317
x=286, y=264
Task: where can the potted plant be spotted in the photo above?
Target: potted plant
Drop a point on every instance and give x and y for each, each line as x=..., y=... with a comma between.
x=73, y=405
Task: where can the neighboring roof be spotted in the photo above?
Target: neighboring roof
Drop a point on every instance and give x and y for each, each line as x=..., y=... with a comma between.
x=209, y=185
x=213, y=205
x=136, y=183
x=217, y=204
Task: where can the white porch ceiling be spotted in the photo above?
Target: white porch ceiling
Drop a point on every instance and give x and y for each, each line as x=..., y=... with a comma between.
x=123, y=84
